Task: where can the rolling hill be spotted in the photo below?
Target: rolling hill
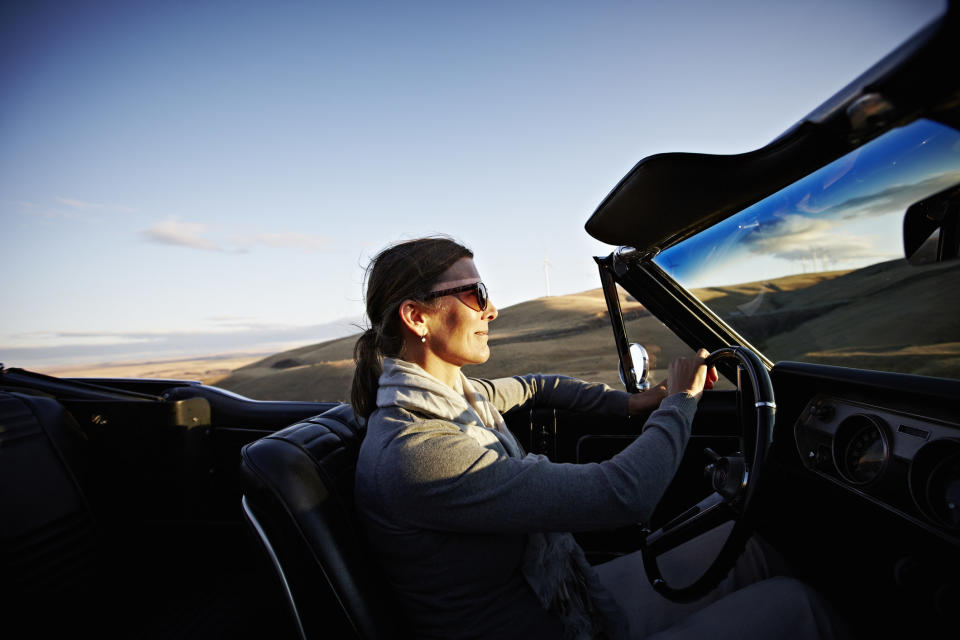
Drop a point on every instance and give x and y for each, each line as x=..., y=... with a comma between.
x=846, y=318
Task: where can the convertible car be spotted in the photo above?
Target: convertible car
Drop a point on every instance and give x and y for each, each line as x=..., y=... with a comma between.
x=821, y=273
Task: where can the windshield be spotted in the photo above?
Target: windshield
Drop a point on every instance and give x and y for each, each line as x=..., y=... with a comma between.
x=816, y=272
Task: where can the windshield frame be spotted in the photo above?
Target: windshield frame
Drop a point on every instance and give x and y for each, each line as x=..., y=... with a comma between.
x=687, y=317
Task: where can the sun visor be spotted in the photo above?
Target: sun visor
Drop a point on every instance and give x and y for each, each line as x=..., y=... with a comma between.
x=668, y=197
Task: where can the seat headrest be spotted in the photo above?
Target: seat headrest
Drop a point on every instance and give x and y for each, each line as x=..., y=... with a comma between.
x=306, y=463
x=308, y=433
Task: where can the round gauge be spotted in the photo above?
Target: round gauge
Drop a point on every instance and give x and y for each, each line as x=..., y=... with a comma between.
x=860, y=449
x=935, y=482
x=944, y=491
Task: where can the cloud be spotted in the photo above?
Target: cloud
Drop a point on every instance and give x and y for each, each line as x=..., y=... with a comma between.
x=288, y=240
x=70, y=209
x=79, y=338
x=47, y=213
x=895, y=198
x=234, y=320
x=805, y=206
x=70, y=202
x=173, y=231
x=796, y=236
x=80, y=204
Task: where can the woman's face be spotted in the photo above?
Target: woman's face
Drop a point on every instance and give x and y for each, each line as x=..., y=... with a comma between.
x=457, y=328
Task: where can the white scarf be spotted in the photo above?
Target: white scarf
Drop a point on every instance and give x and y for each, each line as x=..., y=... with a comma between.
x=554, y=564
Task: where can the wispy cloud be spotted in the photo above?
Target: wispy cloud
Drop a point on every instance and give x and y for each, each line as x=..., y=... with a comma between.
x=70, y=209
x=70, y=202
x=196, y=235
x=46, y=213
x=818, y=230
x=796, y=236
x=230, y=320
x=80, y=204
x=896, y=198
x=78, y=338
x=173, y=231
x=287, y=240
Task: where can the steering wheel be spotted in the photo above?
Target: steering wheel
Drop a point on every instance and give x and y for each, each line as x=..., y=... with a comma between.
x=735, y=480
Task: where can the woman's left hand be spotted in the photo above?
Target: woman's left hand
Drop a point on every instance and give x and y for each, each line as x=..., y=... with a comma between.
x=648, y=400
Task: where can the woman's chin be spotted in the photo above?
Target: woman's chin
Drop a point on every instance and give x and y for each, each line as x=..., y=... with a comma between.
x=482, y=355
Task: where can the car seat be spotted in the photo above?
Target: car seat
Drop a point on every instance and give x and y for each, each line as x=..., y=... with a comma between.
x=298, y=500
x=48, y=534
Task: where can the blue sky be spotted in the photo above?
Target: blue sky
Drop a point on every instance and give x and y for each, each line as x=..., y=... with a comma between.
x=204, y=177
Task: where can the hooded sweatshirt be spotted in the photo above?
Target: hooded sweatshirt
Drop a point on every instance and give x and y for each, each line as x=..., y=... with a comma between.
x=471, y=532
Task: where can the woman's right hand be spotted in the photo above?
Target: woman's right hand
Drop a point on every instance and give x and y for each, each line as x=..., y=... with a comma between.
x=690, y=375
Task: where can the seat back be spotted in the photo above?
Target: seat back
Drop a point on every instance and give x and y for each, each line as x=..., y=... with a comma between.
x=48, y=535
x=298, y=499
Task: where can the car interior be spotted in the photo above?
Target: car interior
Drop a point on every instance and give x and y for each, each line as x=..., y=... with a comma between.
x=169, y=508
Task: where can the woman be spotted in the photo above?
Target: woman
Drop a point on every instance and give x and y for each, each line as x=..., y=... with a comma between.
x=469, y=530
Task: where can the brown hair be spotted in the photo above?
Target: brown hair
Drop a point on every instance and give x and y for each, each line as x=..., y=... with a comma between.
x=402, y=271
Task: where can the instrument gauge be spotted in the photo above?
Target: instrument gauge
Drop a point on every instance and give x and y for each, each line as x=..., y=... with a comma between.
x=935, y=482
x=861, y=449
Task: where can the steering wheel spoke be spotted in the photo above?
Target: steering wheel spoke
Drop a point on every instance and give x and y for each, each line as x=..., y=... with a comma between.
x=707, y=514
x=735, y=480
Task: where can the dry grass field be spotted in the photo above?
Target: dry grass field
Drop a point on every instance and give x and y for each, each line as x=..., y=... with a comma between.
x=208, y=370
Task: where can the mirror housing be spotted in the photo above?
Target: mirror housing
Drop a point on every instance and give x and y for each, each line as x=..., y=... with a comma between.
x=639, y=370
x=931, y=228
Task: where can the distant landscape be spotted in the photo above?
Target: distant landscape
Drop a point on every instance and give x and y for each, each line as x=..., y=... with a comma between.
x=843, y=318
x=839, y=317
x=207, y=369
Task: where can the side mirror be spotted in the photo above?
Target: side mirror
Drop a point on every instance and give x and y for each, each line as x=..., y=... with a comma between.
x=639, y=368
x=931, y=228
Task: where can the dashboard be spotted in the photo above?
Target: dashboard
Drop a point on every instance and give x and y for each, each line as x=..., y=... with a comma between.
x=906, y=463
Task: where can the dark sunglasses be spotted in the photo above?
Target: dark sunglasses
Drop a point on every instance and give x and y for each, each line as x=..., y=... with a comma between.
x=477, y=289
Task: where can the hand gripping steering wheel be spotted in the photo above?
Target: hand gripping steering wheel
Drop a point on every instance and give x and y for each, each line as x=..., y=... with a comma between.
x=735, y=480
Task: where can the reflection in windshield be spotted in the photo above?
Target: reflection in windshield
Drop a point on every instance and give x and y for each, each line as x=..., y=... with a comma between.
x=816, y=272
x=845, y=216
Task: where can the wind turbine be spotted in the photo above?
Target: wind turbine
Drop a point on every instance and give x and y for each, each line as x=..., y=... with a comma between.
x=546, y=274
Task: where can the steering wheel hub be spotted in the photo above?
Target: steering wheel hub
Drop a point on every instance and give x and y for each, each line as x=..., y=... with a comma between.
x=728, y=474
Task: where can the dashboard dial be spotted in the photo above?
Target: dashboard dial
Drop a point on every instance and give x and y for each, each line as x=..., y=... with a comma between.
x=935, y=482
x=944, y=491
x=861, y=450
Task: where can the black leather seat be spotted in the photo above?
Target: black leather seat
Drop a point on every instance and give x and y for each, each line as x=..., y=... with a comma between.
x=48, y=535
x=298, y=498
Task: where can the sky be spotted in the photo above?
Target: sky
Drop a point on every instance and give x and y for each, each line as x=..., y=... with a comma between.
x=197, y=178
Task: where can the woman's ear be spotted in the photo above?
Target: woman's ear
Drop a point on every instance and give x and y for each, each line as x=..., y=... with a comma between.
x=412, y=317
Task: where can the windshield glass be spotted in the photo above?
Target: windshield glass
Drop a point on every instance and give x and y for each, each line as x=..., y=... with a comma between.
x=816, y=272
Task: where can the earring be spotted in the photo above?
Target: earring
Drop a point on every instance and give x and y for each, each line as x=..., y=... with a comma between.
x=423, y=338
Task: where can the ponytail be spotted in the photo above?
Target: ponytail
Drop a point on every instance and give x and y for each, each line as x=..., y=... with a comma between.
x=366, y=375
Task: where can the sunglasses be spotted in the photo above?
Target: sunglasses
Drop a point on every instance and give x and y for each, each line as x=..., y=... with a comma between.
x=477, y=300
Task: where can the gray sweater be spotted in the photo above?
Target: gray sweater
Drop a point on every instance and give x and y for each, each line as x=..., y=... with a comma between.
x=448, y=516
